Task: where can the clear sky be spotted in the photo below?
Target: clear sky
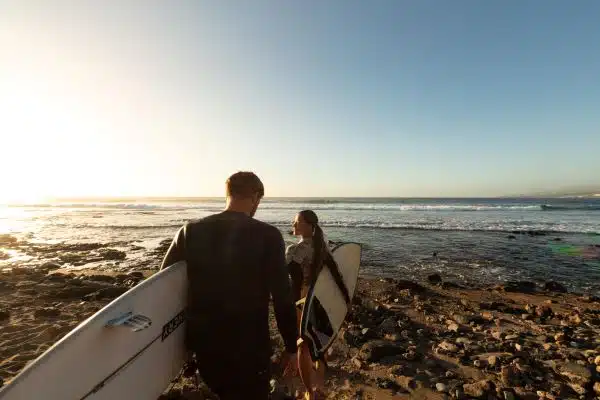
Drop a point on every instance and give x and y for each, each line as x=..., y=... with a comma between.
x=320, y=98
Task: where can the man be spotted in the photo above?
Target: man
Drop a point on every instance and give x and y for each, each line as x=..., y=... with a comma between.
x=234, y=263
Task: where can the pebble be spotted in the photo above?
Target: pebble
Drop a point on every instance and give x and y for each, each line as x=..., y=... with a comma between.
x=448, y=347
x=518, y=347
x=492, y=360
x=511, y=337
x=441, y=387
x=597, y=360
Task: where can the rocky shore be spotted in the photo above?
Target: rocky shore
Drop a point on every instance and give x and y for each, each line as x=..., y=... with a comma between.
x=403, y=339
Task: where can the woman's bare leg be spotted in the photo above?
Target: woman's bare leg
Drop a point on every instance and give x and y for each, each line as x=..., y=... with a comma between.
x=305, y=367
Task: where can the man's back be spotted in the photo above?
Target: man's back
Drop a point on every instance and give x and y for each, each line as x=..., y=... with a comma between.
x=234, y=263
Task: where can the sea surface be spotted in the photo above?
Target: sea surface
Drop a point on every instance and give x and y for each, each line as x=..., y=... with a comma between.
x=475, y=241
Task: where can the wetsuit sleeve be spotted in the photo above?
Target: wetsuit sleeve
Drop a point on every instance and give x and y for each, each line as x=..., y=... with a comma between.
x=279, y=286
x=176, y=250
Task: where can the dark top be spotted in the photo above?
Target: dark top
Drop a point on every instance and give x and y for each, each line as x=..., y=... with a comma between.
x=234, y=263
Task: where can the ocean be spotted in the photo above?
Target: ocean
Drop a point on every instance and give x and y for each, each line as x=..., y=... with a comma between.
x=471, y=241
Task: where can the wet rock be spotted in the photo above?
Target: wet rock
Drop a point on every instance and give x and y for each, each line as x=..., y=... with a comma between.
x=553, y=286
x=478, y=389
x=434, y=279
x=112, y=254
x=378, y=349
x=101, y=278
x=46, y=312
x=4, y=315
x=413, y=286
x=520, y=287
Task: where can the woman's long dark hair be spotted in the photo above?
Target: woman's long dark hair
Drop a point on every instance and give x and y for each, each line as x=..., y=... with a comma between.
x=321, y=255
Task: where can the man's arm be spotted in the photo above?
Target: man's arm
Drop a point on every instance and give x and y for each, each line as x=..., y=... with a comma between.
x=281, y=292
x=176, y=251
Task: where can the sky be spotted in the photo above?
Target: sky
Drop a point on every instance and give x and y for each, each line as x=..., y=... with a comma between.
x=337, y=98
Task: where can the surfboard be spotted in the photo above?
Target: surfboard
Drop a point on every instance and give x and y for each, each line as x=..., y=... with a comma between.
x=324, y=307
x=130, y=349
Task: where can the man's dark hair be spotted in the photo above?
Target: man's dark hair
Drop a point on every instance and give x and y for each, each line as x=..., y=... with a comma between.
x=243, y=185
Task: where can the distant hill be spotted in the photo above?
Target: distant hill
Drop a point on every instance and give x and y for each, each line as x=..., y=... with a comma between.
x=589, y=191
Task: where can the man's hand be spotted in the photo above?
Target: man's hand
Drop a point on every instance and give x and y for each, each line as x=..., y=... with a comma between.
x=289, y=363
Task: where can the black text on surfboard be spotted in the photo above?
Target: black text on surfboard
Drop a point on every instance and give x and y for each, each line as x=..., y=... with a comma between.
x=170, y=326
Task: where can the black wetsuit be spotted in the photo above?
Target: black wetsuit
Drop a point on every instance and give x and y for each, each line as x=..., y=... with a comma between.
x=234, y=264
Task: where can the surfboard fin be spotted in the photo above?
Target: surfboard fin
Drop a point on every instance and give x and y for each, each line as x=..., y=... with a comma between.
x=136, y=322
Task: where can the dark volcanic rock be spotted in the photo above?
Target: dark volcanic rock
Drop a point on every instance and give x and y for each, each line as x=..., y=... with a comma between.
x=413, y=286
x=378, y=349
x=555, y=287
x=434, y=279
x=520, y=287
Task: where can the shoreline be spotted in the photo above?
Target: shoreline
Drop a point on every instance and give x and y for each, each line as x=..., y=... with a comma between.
x=402, y=339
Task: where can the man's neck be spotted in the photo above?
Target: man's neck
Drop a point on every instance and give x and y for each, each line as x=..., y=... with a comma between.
x=238, y=206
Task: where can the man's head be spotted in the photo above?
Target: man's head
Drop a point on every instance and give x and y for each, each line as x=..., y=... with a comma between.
x=244, y=192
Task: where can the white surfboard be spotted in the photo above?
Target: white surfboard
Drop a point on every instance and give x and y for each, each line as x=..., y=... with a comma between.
x=325, y=293
x=130, y=349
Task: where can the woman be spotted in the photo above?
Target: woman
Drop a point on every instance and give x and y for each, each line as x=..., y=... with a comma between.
x=305, y=260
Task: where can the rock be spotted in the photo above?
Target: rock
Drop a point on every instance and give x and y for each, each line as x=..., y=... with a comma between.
x=518, y=346
x=357, y=363
x=46, y=312
x=388, y=326
x=597, y=360
x=575, y=373
x=376, y=350
x=575, y=319
x=4, y=315
x=434, y=279
x=511, y=337
x=448, y=347
x=441, y=387
x=101, y=278
x=453, y=327
x=497, y=335
x=478, y=389
x=488, y=316
x=577, y=388
x=547, y=346
x=509, y=376
x=520, y=287
x=492, y=361
x=112, y=254
x=508, y=395
x=406, y=284
x=596, y=388
x=555, y=287
x=461, y=319
x=106, y=293
x=351, y=337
